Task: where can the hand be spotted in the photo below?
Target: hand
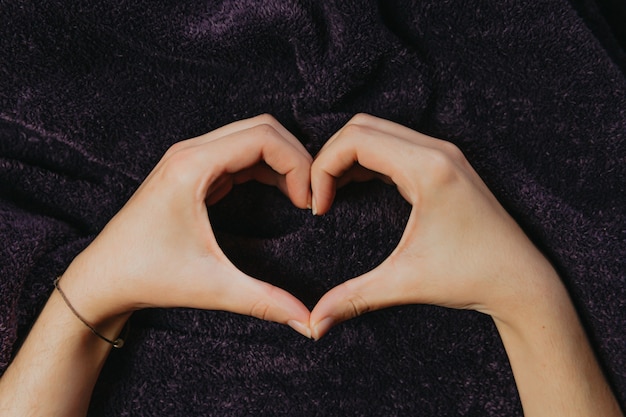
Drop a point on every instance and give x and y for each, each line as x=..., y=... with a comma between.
x=460, y=248
x=160, y=250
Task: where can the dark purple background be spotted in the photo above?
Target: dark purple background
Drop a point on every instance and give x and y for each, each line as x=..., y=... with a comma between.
x=93, y=93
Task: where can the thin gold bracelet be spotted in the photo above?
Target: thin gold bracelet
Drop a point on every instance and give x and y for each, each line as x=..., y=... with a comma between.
x=117, y=343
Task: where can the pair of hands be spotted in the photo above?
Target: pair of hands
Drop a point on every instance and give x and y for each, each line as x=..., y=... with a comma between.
x=460, y=248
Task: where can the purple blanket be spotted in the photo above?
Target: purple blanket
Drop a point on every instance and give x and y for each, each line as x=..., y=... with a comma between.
x=93, y=93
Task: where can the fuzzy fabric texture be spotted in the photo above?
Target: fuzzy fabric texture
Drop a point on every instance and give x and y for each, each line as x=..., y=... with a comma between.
x=93, y=93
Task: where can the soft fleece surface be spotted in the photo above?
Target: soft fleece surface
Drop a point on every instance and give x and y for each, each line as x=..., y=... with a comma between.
x=93, y=92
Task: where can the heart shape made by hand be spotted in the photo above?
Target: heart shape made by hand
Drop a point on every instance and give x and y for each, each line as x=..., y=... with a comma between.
x=443, y=256
x=268, y=238
x=459, y=249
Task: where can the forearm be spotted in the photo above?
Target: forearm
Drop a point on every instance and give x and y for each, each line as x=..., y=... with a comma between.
x=56, y=369
x=555, y=368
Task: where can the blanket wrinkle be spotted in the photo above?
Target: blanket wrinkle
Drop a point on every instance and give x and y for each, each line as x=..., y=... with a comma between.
x=605, y=19
x=69, y=183
x=93, y=93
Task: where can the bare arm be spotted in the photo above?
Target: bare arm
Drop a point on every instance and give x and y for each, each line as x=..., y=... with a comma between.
x=57, y=367
x=554, y=366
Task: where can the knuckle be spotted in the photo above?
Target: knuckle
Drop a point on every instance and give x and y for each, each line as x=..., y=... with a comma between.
x=262, y=307
x=176, y=168
x=354, y=130
x=358, y=305
x=266, y=119
x=265, y=131
x=442, y=167
x=360, y=119
x=453, y=151
x=260, y=310
x=176, y=147
x=318, y=166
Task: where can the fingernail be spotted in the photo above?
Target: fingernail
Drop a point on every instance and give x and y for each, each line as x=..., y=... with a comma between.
x=313, y=206
x=321, y=328
x=300, y=328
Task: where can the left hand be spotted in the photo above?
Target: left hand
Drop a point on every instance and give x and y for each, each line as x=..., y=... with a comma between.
x=160, y=250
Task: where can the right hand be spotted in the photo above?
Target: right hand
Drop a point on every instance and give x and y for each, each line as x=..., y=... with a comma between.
x=460, y=248
x=160, y=250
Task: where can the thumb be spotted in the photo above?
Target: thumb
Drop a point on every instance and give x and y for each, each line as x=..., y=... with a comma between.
x=260, y=299
x=375, y=290
x=236, y=292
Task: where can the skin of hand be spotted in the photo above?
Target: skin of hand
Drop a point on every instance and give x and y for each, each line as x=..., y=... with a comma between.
x=462, y=250
x=160, y=250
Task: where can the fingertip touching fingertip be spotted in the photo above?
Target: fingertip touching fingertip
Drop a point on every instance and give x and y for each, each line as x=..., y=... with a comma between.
x=321, y=328
x=300, y=328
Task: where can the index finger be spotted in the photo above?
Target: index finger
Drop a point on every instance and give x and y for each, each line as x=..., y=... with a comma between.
x=245, y=148
x=374, y=150
x=246, y=124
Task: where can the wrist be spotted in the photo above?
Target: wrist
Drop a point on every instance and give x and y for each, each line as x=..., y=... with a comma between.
x=554, y=365
x=530, y=291
x=103, y=334
x=543, y=313
x=117, y=342
x=93, y=296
